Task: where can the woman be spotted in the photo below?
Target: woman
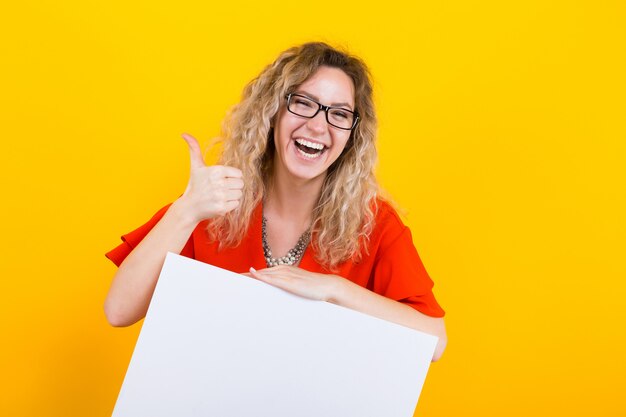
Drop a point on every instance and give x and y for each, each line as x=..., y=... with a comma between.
x=293, y=203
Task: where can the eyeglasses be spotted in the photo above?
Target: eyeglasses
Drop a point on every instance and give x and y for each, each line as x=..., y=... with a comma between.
x=335, y=116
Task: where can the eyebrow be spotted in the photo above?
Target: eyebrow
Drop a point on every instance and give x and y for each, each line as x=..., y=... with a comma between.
x=314, y=97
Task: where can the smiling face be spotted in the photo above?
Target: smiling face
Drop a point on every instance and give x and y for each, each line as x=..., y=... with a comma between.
x=306, y=148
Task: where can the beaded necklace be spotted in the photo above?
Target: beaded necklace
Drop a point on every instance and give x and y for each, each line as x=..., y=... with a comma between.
x=293, y=256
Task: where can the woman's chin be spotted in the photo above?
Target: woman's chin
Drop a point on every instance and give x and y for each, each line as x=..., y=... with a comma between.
x=305, y=172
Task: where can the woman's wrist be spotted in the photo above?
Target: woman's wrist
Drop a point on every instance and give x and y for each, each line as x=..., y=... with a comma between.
x=337, y=289
x=182, y=213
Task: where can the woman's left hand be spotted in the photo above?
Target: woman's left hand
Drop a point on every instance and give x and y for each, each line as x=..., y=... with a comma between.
x=300, y=282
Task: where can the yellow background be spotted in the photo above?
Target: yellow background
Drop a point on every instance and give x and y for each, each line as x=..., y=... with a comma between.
x=501, y=133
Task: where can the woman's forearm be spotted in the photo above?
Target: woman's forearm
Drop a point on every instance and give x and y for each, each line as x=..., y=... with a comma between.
x=136, y=278
x=343, y=292
x=355, y=297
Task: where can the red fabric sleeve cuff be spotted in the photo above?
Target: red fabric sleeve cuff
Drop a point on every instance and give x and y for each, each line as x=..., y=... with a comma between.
x=132, y=239
x=428, y=307
x=119, y=253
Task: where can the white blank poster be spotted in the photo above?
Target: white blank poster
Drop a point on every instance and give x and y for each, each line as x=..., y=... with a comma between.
x=216, y=343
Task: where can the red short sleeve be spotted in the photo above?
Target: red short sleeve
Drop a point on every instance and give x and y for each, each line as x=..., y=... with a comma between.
x=132, y=239
x=401, y=276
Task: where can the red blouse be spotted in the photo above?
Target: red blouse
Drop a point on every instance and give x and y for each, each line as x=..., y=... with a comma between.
x=392, y=268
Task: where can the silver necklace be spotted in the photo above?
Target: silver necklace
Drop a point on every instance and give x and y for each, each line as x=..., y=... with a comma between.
x=293, y=256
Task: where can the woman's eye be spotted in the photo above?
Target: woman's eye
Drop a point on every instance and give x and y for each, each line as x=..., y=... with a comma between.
x=340, y=114
x=304, y=103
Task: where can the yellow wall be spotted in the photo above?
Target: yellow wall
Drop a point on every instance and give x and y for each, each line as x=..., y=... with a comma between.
x=502, y=135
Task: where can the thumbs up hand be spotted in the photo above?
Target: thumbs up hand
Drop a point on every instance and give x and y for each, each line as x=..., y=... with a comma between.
x=212, y=190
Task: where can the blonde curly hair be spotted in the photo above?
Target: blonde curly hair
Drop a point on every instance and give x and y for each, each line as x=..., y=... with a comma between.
x=343, y=218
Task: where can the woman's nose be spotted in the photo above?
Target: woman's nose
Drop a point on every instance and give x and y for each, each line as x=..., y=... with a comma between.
x=318, y=122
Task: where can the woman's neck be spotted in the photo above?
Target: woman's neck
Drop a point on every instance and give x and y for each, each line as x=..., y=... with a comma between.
x=293, y=199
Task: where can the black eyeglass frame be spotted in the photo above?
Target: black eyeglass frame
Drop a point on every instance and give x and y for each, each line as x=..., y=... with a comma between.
x=326, y=110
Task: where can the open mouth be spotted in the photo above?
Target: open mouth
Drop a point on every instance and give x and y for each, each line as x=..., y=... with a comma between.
x=309, y=149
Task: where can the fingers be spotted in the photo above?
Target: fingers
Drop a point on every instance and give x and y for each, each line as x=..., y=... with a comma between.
x=289, y=279
x=195, y=154
x=267, y=278
x=212, y=190
x=233, y=195
x=233, y=183
x=275, y=275
x=256, y=274
x=230, y=206
x=231, y=172
x=259, y=274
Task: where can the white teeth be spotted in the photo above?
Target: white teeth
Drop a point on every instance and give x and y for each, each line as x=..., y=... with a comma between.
x=312, y=145
x=309, y=155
